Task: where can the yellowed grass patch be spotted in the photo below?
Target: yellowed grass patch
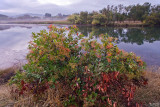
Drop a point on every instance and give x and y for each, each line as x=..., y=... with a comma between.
x=150, y=93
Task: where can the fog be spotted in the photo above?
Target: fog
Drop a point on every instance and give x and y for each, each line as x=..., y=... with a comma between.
x=16, y=7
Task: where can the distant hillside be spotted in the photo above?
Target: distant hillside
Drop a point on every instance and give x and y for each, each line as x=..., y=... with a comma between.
x=60, y=16
x=3, y=17
x=30, y=14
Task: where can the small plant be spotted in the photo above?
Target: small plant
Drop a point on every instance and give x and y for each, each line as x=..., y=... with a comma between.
x=97, y=72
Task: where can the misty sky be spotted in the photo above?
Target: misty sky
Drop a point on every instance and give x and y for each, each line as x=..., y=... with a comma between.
x=12, y=7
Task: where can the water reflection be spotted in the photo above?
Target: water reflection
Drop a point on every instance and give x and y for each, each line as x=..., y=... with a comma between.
x=14, y=42
x=144, y=42
x=126, y=35
x=5, y=27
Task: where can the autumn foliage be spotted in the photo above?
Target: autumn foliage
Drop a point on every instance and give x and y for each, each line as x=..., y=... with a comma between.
x=95, y=70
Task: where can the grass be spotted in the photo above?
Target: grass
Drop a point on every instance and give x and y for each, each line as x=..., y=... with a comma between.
x=128, y=24
x=5, y=96
x=5, y=89
x=6, y=74
x=150, y=93
x=51, y=98
x=56, y=96
x=9, y=97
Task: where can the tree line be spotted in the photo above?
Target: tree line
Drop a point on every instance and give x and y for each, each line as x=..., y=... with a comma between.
x=148, y=14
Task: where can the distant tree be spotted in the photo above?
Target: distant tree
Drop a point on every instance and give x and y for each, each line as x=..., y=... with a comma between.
x=26, y=16
x=153, y=19
x=147, y=7
x=90, y=18
x=99, y=19
x=111, y=14
x=120, y=8
x=83, y=17
x=122, y=17
x=3, y=17
x=103, y=11
x=47, y=15
x=115, y=13
x=133, y=13
x=60, y=15
x=155, y=9
x=108, y=13
x=139, y=12
x=127, y=9
x=75, y=19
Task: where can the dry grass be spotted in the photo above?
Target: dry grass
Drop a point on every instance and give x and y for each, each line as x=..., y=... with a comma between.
x=5, y=96
x=6, y=74
x=150, y=93
x=57, y=96
x=53, y=97
x=5, y=89
x=128, y=22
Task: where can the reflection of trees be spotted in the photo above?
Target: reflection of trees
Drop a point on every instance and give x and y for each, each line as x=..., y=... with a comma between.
x=5, y=27
x=85, y=30
x=152, y=34
x=127, y=35
x=133, y=36
x=97, y=30
x=28, y=27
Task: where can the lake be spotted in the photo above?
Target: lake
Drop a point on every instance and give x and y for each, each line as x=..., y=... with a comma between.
x=145, y=42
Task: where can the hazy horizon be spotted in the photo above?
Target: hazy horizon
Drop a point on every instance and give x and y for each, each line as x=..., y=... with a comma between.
x=16, y=7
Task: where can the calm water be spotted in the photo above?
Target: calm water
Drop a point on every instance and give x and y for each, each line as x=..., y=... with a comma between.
x=145, y=42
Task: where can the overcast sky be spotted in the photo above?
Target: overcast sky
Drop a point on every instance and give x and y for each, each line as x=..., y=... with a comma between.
x=12, y=7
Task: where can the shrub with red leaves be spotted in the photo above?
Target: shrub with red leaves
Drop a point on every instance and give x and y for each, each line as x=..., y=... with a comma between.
x=98, y=73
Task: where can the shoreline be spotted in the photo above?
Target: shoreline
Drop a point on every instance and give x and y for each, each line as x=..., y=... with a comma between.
x=65, y=22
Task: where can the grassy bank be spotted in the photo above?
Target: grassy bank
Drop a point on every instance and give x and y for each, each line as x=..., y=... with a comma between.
x=128, y=24
x=149, y=94
x=6, y=74
x=5, y=89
